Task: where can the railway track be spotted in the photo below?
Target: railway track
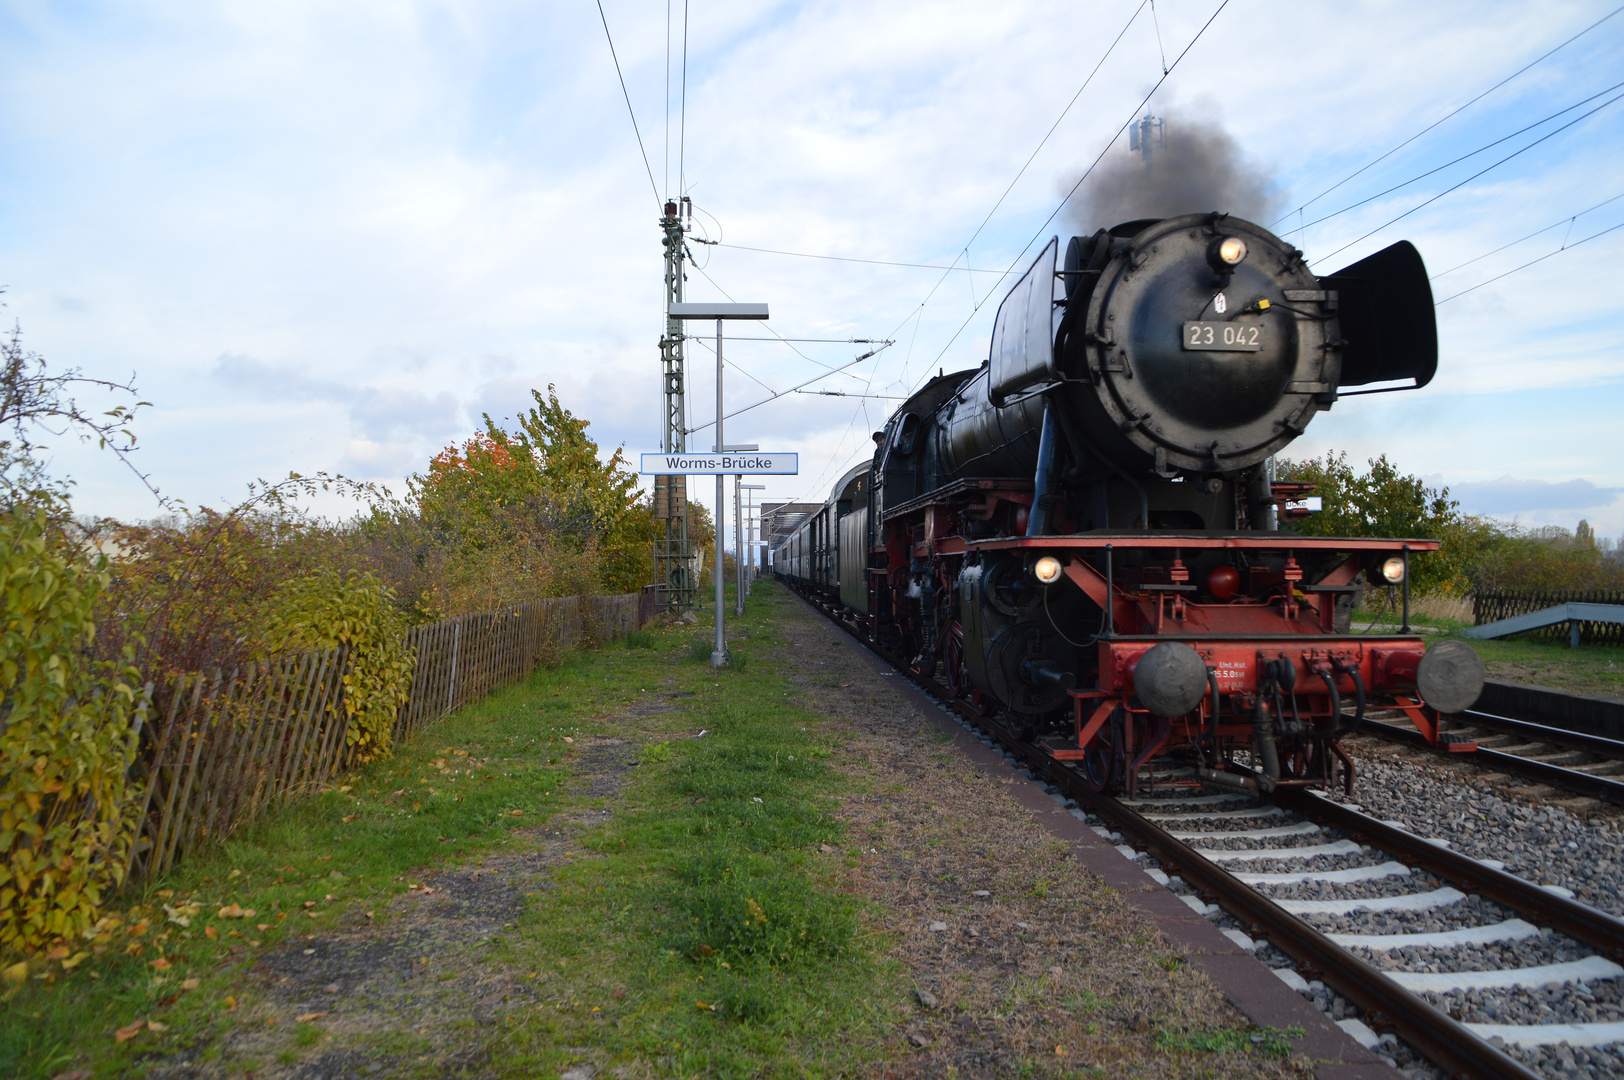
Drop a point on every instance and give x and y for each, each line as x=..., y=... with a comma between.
x=1572, y=761
x=1423, y=942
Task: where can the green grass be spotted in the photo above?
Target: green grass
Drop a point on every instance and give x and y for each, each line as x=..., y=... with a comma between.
x=1268, y=1041
x=1589, y=669
x=703, y=934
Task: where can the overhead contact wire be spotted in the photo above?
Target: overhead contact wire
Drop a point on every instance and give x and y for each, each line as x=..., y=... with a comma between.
x=1474, y=176
x=1532, y=262
x=1454, y=112
x=1100, y=157
x=629, y=110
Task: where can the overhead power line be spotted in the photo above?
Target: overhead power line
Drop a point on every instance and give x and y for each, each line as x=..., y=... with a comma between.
x=870, y=262
x=629, y=110
x=780, y=393
x=1532, y=262
x=1569, y=220
x=1470, y=154
x=1453, y=112
x=1474, y=176
x=1074, y=188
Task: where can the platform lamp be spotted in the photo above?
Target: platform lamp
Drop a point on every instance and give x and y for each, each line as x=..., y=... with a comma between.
x=721, y=313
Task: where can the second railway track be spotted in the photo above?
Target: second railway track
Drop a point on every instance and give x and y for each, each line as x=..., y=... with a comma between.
x=1450, y=954
x=1586, y=765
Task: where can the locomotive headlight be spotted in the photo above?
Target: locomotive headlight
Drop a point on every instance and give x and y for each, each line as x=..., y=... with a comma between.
x=1393, y=570
x=1231, y=250
x=1047, y=569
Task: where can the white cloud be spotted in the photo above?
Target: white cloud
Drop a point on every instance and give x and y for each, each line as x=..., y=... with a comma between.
x=333, y=237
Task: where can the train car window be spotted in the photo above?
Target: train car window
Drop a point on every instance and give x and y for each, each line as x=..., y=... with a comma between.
x=907, y=434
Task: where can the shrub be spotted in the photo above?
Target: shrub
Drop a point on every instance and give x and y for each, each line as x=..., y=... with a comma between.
x=329, y=609
x=68, y=728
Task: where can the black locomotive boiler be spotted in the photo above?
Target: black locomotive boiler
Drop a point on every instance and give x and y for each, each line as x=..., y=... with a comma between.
x=1083, y=534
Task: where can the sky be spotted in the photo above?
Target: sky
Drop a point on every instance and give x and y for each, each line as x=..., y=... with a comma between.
x=332, y=237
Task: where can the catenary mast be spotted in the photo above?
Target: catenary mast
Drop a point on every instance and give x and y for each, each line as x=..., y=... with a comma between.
x=674, y=554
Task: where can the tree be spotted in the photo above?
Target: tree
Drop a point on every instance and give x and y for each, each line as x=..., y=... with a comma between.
x=1384, y=502
x=603, y=510
x=34, y=400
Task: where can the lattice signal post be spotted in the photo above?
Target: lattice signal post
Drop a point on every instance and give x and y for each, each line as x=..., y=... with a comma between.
x=674, y=556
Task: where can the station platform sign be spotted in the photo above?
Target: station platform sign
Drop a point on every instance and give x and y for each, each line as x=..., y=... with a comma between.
x=731, y=463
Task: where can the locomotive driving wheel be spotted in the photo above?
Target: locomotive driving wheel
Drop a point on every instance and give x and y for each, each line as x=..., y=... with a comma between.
x=1103, y=761
x=954, y=673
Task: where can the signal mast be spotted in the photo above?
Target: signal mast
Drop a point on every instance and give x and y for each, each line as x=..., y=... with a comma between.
x=673, y=555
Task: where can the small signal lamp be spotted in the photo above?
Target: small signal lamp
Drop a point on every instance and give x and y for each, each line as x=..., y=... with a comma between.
x=1224, y=583
x=1393, y=570
x=1047, y=569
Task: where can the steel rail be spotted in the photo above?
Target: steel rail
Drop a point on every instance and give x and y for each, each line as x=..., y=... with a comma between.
x=1440, y=1037
x=1444, y=1040
x=1580, y=783
x=1594, y=927
x=1552, y=736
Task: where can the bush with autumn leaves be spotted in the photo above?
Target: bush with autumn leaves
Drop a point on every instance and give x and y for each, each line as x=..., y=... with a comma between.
x=97, y=617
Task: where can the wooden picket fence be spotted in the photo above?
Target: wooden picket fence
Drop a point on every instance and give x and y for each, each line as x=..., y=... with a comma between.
x=1492, y=605
x=220, y=747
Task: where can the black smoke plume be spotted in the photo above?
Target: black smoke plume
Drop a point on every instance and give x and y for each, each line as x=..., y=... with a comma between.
x=1200, y=168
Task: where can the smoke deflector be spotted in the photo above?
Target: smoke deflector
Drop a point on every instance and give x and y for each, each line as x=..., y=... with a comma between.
x=1022, y=353
x=1389, y=330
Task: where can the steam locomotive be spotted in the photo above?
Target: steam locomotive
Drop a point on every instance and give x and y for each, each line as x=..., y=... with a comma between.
x=1083, y=535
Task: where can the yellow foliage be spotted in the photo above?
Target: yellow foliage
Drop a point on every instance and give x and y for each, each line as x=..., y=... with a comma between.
x=355, y=612
x=68, y=729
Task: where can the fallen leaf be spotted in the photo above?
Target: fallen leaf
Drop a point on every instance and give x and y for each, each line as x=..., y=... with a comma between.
x=702, y=1005
x=305, y=1018
x=190, y=984
x=58, y=953
x=231, y=911
x=75, y=960
x=211, y=932
x=129, y=1031
x=264, y=926
x=154, y=1026
x=309, y=903
x=17, y=972
x=516, y=813
x=347, y=818
x=417, y=806
x=159, y=964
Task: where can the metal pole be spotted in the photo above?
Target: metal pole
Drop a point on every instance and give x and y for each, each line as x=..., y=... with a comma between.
x=675, y=553
x=738, y=548
x=719, y=654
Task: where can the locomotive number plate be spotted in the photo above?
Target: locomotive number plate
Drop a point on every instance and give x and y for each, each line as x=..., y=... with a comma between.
x=1223, y=336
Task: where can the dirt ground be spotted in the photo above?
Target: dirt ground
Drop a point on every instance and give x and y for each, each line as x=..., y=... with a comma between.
x=417, y=988
x=1024, y=963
